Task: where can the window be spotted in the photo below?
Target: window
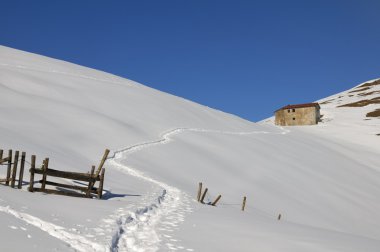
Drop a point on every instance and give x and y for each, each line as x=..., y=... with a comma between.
x=294, y=110
x=294, y=118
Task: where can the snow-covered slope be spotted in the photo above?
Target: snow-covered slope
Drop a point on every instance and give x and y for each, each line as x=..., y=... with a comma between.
x=354, y=115
x=324, y=186
x=46, y=101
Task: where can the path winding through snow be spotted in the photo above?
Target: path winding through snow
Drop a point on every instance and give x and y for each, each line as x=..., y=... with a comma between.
x=166, y=138
x=139, y=230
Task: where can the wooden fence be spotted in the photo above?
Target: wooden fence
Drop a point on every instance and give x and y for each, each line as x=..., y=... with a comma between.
x=84, y=191
x=90, y=178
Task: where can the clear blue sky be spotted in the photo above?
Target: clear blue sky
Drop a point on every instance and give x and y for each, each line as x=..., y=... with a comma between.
x=243, y=57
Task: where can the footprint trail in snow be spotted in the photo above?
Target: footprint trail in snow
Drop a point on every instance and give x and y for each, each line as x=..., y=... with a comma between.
x=144, y=229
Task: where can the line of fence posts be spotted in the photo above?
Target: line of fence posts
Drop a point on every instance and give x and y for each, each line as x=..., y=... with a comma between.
x=12, y=172
x=201, y=196
x=91, y=178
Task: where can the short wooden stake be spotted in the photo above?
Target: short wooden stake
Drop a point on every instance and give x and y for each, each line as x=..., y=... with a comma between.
x=45, y=167
x=243, y=205
x=204, y=195
x=14, y=171
x=9, y=167
x=32, y=169
x=279, y=217
x=216, y=200
x=91, y=182
x=199, y=192
x=22, y=165
x=100, y=189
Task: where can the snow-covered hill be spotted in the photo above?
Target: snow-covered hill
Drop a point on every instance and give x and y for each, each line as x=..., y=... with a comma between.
x=354, y=115
x=324, y=186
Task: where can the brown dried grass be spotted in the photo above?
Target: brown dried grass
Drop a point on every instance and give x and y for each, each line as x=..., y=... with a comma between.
x=359, y=90
x=375, y=113
x=326, y=102
x=369, y=93
x=369, y=84
x=362, y=103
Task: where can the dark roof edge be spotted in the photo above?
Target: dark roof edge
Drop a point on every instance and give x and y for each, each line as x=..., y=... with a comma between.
x=304, y=105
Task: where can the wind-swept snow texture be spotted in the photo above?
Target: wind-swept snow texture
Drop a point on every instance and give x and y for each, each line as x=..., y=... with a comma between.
x=324, y=180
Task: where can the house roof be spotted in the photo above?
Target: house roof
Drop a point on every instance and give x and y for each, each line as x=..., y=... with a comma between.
x=304, y=105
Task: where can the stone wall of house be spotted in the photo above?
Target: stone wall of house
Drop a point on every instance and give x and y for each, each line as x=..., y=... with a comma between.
x=297, y=116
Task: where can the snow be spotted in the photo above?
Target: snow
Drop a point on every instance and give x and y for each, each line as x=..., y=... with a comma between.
x=324, y=180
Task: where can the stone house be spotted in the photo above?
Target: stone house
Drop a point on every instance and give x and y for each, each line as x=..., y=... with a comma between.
x=298, y=114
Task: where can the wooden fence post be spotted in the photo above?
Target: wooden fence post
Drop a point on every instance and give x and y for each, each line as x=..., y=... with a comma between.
x=204, y=195
x=45, y=167
x=14, y=171
x=244, y=201
x=243, y=205
x=32, y=169
x=106, y=152
x=216, y=201
x=91, y=182
x=199, y=192
x=100, y=189
x=1, y=156
x=9, y=167
x=22, y=165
